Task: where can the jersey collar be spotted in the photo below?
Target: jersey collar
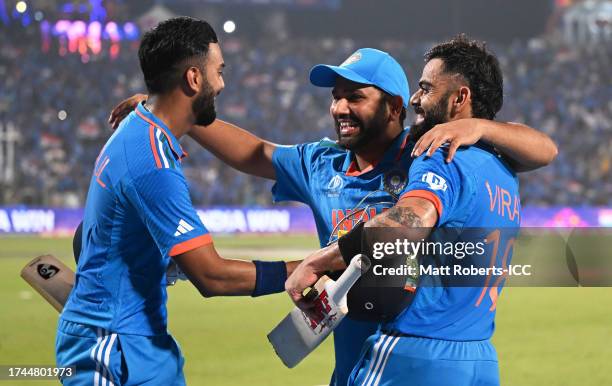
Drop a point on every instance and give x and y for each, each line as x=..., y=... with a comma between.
x=393, y=154
x=147, y=116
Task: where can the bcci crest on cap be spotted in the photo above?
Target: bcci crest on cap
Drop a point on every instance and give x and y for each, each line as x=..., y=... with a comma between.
x=352, y=59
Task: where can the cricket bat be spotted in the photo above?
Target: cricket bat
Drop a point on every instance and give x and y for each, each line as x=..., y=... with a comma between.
x=54, y=280
x=297, y=335
x=51, y=278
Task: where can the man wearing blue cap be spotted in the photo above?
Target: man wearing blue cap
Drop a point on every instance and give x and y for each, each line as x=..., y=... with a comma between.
x=362, y=173
x=443, y=337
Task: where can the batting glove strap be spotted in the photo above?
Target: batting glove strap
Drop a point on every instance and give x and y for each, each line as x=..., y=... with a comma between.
x=270, y=277
x=350, y=244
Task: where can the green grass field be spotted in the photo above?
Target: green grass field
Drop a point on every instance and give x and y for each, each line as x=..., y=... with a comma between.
x=545, y=336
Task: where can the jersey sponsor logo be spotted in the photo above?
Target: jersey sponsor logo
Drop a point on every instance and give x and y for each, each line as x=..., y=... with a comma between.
x=351, y=59
x=183, y=228
x=434, y=181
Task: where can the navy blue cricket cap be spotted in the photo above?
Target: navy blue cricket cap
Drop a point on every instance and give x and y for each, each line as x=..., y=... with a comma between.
x=367, y=66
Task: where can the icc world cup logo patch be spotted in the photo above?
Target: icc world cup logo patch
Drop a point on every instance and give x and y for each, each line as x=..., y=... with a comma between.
x=395, y=181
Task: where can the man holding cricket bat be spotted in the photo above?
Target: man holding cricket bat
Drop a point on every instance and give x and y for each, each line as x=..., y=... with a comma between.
x=365, y=170
x=138, y=215
x=442, y=338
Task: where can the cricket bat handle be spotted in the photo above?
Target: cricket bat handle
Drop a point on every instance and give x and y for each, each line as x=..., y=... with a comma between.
x=358, y=265
x=51, y=278
x=297, y=335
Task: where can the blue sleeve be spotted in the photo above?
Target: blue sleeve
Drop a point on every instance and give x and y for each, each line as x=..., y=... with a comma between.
x=436, y=180
x=162, y=200
x=293, y=170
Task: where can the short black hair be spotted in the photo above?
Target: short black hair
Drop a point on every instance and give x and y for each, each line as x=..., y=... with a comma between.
x=167, y=50
x=479, y=68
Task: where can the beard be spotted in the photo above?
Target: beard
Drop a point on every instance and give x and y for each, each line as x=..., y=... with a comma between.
x=203, y=106
x=436, y=115
x=368, y=130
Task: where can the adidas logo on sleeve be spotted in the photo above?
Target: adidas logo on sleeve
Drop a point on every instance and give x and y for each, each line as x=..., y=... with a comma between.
x=183, y=228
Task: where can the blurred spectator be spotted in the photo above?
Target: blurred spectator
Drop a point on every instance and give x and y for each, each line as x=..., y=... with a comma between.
x=563, y=91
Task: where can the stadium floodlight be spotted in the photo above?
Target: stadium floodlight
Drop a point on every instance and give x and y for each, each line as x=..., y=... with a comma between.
x=21, y=6
x=229, y=26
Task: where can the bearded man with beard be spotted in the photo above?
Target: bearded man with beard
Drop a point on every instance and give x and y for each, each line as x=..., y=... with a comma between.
x=138, y=215
x=365, y=170
x=443, y=336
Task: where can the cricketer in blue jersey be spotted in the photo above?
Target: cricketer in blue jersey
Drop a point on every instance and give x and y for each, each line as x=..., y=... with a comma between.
x=326, y=177
x=442, y=338
x=139, y=215
x=335, y=178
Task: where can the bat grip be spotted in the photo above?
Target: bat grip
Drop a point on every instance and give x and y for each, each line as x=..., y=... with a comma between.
x=359, y=264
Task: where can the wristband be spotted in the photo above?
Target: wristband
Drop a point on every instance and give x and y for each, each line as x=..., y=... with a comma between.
x=270, y=277
x=350, y=243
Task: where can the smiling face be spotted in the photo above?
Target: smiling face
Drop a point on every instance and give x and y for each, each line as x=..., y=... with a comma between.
x=431, y=102
x=360, y=113
x=203, y=105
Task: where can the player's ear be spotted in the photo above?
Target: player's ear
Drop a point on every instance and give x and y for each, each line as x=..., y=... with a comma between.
x=193, y=80
x=462, y=101
x=395, y=106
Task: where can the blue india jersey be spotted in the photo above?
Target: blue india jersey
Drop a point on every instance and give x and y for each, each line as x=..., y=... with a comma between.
x=477, y=195
x=323, y=176
x=138, y=215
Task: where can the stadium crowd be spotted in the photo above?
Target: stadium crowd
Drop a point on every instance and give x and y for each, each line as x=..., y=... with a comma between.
x=59, y=106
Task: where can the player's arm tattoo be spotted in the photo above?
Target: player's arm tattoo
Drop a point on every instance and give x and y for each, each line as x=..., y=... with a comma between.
x=411, y=218
x=414, y=213
x=405, y=216
x=397, y=216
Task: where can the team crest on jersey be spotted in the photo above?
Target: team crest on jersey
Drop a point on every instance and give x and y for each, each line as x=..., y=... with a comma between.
x=395, y=181
x=351, y=59
x=334, y=186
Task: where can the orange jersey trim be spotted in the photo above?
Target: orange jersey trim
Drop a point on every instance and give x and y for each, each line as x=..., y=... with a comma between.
x=162, y=130
x=153, y=147
x=104, y=164
x=427, y=195
x=191, y=244
x=185, y=154
x=352, y=170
